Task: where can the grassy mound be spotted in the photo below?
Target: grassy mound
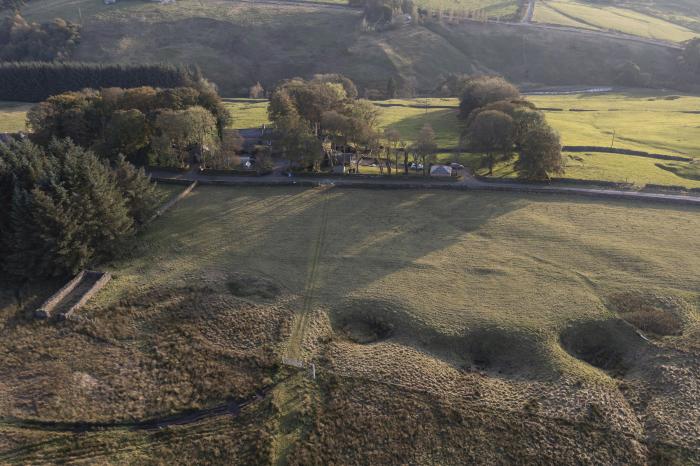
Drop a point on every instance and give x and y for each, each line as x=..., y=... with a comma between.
x=659, y=315
x=360, y=422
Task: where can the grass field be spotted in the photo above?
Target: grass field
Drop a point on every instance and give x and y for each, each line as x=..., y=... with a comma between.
x=681, y=12
x=604, y=17
x=13, y=116
x=248, y=113
x=640, y=120
x=459, y=304
x=493, y=8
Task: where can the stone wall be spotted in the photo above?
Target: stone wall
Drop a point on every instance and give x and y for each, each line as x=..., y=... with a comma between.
x=45, y=310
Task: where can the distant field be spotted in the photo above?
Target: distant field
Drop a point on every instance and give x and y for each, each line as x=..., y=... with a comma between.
x=641, y=120
x=493, y=8
x=247, y=113
x=604, y=17
x=13, y=116
x=69, y=8
x=409, y=121
x=681, y=12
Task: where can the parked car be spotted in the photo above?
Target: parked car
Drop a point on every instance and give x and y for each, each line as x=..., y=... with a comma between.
x=456, y=166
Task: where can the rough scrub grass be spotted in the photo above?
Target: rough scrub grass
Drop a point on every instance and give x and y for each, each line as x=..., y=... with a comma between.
x=452, y=303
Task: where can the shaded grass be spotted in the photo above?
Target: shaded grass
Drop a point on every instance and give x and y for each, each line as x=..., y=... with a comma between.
x=237, y=44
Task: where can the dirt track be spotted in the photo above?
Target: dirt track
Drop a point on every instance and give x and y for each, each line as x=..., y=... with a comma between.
x=231, y=408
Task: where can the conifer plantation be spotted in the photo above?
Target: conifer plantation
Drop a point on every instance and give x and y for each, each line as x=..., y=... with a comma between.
x=35, y=81
x=65, y=208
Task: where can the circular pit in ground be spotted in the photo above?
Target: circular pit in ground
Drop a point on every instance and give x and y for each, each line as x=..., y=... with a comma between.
x=365, y=331
x=610, y=345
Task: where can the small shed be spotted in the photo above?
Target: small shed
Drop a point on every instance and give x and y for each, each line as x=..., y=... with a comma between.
x=440, y=170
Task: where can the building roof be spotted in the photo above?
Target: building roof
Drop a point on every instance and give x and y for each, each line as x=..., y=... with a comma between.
x=440, y=170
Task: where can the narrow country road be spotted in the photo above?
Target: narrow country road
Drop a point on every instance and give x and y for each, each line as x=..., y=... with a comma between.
x=468, y=183
x=530, y=12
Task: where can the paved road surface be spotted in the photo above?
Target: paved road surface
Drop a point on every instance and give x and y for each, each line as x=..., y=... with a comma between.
x=468, y=183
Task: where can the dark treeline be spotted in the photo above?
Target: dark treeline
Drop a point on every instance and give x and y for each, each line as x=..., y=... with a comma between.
x=36, y=81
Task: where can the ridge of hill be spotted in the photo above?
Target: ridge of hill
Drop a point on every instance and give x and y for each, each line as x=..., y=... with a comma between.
x=237, y=44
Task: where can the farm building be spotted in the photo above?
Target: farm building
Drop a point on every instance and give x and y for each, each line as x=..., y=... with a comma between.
x=440, y=170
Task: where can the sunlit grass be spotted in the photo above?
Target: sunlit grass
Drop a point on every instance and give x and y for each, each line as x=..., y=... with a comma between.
x=248, y=113
x=13, y=116
x=617, y=168
x=571, y=13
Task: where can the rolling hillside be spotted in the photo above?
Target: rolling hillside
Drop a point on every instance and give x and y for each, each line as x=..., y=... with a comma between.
x=238, y=43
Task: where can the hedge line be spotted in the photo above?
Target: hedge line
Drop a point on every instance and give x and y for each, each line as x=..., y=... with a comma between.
x=36, y=81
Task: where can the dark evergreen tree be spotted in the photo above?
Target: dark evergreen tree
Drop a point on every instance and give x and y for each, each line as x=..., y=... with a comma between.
x=391, y=88
x=141, y=195
x=66, y=208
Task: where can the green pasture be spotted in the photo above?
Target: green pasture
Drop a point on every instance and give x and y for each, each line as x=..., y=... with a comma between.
x=247, y=113
x=613, y=18
x=13, y=116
